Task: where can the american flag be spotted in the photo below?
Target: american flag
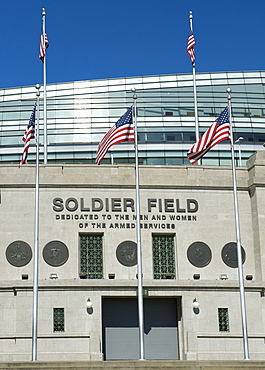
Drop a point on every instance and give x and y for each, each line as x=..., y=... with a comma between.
x=190, y=47
x=44, y=44
x=29, y=134
x=219, y=131
x=121, y=131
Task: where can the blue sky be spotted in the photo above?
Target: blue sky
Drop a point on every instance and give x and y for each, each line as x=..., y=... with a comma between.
x=97, y=39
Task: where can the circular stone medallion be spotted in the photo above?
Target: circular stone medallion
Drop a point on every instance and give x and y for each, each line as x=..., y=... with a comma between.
x=18, y=253
x=55, y=253
x=229, y=254
x=126, y=253
x=199, y=254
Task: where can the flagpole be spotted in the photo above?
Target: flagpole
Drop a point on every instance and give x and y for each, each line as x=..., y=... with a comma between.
x=238, y=242
x=36, y=239
x=138, y=231
x=44, y=91
x=195, y=92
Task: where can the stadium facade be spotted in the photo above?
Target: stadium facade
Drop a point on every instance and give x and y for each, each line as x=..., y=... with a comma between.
x=80, y=112
x=87, y=231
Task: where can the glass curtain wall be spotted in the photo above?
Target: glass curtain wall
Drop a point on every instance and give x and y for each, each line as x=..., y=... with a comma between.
x=80, y=113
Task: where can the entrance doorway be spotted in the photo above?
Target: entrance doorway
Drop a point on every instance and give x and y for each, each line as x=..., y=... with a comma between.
x=121, y=331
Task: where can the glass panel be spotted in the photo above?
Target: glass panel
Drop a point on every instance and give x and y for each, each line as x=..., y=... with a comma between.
x=155, y=161
x=163, y=257
x=259, y=138
x=210, y=161
x=178, y=161
x=91, y=256
x=11, y=140
x=223, y=319
x=171, y=136
x=155, y=136
x=189, y=137
x=225, y=162
x=11, y=115
x=58, y=319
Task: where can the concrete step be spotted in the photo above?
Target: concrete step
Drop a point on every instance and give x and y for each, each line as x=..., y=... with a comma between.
x=140, y=365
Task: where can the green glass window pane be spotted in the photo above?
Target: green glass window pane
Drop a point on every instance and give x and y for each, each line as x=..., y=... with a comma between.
x=91, y=256
x=163, y=256
x=223, y=319
x=58, y=319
